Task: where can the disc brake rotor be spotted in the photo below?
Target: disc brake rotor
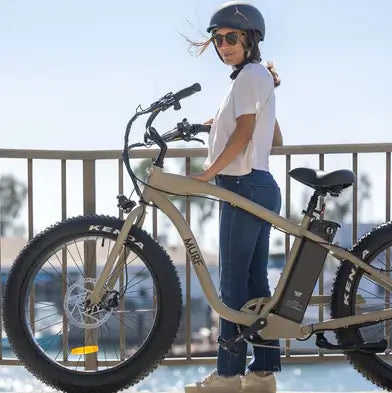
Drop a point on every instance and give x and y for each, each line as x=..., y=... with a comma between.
x=76, y=309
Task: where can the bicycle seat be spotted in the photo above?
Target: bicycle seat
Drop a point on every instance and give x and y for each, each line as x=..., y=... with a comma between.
x=332, y=182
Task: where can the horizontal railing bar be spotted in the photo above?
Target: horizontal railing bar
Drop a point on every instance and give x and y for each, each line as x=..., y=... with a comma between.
x=314, y=358
x=189, y=152
x=334, y=149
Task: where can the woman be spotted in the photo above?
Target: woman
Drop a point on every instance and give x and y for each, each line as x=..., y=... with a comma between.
x=240, y=141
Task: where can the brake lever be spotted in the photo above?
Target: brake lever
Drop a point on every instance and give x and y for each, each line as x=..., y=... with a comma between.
x=197, y=140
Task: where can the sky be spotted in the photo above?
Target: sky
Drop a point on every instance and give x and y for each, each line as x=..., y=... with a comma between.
x=72, y=74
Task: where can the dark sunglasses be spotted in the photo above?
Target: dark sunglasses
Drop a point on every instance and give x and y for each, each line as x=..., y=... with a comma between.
x=231, y=38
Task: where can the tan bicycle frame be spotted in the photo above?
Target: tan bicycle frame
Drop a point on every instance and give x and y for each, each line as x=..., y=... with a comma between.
x=277, y=326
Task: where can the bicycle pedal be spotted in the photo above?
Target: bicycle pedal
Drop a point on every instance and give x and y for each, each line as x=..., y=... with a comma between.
x=228, y=345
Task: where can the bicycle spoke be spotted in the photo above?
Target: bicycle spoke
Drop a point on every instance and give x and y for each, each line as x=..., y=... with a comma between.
x=76, y=264
x=54, y=338
x=123, y=323
x=81, y=259
x=136, y=275
x=143, y=279
x=47, y=327
x=45, y=271
x=114, y=347
x=48, y=316
x=69, y=280
x=104, y=349
x=40, y=308
x=137, y=290
x=378, y=297
x=119, y=269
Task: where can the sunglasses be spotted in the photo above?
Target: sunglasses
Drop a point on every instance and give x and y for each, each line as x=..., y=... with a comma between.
x=231, y=38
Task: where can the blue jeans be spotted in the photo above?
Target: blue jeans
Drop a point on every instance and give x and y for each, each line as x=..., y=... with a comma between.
x=244, y=249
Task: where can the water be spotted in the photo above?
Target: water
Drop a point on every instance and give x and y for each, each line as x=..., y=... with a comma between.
x=327, y=377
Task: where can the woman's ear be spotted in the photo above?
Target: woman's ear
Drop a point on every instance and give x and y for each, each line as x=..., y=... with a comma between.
x=249, y=42
x=248, y=46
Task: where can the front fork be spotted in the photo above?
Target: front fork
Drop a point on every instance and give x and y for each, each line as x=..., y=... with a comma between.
x=102, y=285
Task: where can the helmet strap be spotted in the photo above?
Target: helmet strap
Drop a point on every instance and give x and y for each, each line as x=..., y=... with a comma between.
x=247, y=59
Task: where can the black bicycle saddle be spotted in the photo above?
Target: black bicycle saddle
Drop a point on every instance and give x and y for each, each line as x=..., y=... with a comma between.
x=325, y=182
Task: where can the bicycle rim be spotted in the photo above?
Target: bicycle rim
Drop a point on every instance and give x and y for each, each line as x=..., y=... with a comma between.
x=65, y=330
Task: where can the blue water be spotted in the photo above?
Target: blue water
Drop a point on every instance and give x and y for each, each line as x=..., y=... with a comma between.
x=326, y=377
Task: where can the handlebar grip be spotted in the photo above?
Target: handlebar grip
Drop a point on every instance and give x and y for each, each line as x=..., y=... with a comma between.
x=188, y=91
x=204, y=128
x=171, y=135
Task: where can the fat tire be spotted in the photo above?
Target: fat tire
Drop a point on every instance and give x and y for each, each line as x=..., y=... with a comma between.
x=127, y=373
x=343, y=303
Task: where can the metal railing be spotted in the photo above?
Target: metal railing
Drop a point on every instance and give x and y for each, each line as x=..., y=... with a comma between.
x=89, y=159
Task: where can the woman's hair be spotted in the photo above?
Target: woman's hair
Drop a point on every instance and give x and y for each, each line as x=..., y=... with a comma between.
x=197, y=47
x=272, y=70
x=253, y=38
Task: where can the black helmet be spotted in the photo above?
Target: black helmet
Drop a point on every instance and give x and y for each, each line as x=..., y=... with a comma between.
x=238, y=15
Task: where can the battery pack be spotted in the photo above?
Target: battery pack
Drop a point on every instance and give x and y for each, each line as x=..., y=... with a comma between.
x=305, y=272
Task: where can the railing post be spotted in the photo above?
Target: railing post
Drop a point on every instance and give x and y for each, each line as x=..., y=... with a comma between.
x=1, y=299
x=88, y=187
x=90, y=266
x=287, y=237
x=388, y=251
x=64, y=255
x=355, y=198
x=321, y=277
x=188, y=330
x=388, y=187
x=30, y=232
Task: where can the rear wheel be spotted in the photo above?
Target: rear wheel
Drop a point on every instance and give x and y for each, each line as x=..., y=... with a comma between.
x=78, y=348
x=355, y=293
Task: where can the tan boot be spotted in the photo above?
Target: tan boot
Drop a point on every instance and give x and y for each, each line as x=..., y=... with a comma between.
x=214, y=383
x=253, y=383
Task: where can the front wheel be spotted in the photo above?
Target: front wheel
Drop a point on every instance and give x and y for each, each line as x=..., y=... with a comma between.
x=355, y=293
x=105, y=348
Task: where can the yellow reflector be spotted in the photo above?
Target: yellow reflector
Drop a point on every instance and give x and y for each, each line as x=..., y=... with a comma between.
x=84, y=350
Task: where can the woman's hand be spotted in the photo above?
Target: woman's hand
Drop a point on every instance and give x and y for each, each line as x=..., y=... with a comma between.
x=205, y=176
x=208, y=122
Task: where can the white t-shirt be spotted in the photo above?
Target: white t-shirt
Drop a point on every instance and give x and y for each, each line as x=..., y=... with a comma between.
x=252, y=92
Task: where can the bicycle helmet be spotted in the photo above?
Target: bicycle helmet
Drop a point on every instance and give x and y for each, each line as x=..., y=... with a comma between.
x=238, y=15
x=243, y=16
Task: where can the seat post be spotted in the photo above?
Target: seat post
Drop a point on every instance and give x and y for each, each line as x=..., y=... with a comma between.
x=313, y=203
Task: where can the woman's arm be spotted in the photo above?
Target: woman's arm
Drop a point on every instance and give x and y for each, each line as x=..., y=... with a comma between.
x=237, y=142
x=277, y=139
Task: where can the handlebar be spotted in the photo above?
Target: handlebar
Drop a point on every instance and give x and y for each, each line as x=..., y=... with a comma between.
x=171, y=99
x=183, y=131
x=188, y=91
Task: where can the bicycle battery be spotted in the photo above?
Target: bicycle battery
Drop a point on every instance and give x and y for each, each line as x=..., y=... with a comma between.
x=305, y=272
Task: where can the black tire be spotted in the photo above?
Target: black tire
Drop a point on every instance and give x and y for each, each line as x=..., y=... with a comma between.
x=165, y=312
x=354, y=293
